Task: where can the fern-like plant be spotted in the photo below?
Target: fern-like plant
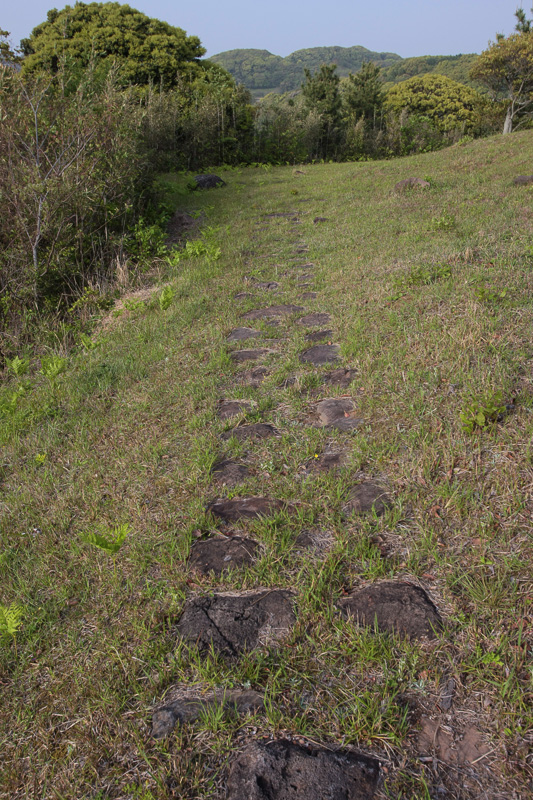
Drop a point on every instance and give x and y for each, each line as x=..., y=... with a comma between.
x=10, y=621
x=111, y=540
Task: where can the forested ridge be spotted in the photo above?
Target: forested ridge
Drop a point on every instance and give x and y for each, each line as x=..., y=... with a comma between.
x=262, y=72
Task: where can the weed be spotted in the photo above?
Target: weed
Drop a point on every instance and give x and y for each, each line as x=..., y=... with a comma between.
x=481, y=411
x=166, y=297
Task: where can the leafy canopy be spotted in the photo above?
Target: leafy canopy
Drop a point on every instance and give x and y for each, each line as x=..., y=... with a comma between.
x=445, y=102
x=363, y=94
x=147, y=50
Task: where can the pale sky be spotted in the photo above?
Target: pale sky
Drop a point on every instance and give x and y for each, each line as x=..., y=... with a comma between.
x=406, y=27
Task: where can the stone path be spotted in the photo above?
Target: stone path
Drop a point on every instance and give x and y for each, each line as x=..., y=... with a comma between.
x=236, y=624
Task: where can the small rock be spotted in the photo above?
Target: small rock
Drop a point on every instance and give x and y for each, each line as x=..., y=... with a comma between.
x=239, y=356
x=245, y=508
x=189, y=706
x=232, y=408
x=218, y=554
x=256, y=431
x=315, y=319
x=318, y=336
x=395, y=607
x=321, y=354
x=208, y=181
x=523, y=180
x=366, y=498
x=340, y=377
x=233, y=623
x=285, y=770
x=411, y=183
x=317, y=220
x=272, y=311
x=240, y=334
x=229, y=473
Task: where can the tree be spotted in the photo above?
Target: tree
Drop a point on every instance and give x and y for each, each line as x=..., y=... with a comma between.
x=363, y=94
x=445, y=102
x=321, y=95
x=8, y=56
x=523, y=25
x=147, y=50
x=506, y=69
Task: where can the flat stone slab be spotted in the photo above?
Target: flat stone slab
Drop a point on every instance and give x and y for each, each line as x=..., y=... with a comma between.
x=321, y=354
x=229, y=473
x=221, y=553
x=333, y=408
x=245, y=508
x=309, y=296
x=283, y=770
x=395, y=607
x=366, y=498
x=308, y=265
x=233, y=623
x=274, y=214
x=232, y=408
x=270, y=286
x=523, y=180
x=326, y=462
x=340, y=377
x=243, y=295
x=241, y=334
x=255, y=376
x=317, y=336
x=411, y=183
x=239, y=356
x=315, y=319
x=186, y=705
x=259, y=430
x=208, y=181
x=272, y=311
x=317, y=220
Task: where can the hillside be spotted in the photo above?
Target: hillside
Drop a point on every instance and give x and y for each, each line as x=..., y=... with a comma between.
x=263, y=72
x=270, y=526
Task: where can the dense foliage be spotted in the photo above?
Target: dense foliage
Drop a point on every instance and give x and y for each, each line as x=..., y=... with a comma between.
x=147, y=50
x=446, y=103
x=506, y=69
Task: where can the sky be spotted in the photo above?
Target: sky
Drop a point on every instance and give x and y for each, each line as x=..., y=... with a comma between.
x=406, y=27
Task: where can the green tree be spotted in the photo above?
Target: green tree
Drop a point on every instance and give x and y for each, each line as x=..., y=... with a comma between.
x=146, y=50
x=506, y=69
x=523, y=24
x=321, y=96
x=446, y=103
x=363, y=94
x=8, y=56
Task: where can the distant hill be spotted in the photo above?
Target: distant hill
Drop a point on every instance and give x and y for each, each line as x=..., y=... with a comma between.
x=262, y=72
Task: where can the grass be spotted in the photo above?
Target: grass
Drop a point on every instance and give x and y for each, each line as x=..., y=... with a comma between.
x=430, y=298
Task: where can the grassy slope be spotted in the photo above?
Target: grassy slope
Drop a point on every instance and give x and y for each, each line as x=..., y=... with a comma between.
x=430, y=295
